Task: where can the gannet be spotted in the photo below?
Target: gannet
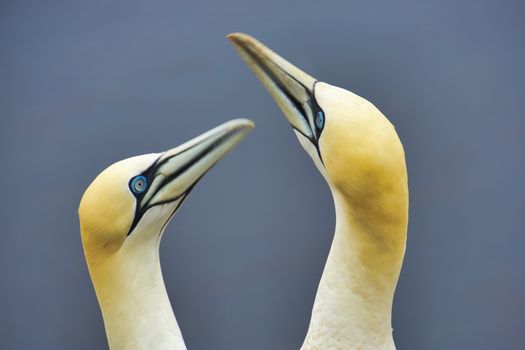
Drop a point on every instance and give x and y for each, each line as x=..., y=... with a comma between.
x=123, y=214
x=359, y=154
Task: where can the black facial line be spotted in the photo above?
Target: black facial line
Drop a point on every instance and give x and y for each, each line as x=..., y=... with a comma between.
x=165, y=160
x=315, y=108
x=173, y=213
x=149, y=172
x=184, y=196
x=197, y=158
x=280, y=85
x=150, y=175
x=256, y=58
x=317, y=132
x=312, y=102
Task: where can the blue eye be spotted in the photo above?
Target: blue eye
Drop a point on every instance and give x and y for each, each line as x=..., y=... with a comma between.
x=138, y=184
x=319, y=120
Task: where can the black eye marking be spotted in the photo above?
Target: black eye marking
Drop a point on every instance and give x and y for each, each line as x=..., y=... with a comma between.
x=319, y=120
x=138, y=184
x=317, y=114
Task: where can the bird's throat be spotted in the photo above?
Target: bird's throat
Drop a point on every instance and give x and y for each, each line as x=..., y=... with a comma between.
x=134, y=302
x=353, y=305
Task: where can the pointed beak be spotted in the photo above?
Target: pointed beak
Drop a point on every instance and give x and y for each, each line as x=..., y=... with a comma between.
x=291, y=88
x=177, y=170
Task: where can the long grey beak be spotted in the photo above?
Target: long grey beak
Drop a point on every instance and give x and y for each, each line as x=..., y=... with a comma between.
x=291, y=88
x=177, y=170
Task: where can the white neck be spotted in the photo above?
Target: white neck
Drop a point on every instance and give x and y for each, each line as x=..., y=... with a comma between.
x=353, y=305
x=134, y=302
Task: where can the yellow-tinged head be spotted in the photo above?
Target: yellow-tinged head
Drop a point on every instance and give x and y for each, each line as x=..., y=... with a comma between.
x=133, y=199
x=362, y=157
x=108, y=206
x=352, y=144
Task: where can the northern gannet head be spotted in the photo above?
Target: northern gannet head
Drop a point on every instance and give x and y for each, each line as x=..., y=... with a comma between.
x=123, y=214
x=353, y=145
x=132, y=201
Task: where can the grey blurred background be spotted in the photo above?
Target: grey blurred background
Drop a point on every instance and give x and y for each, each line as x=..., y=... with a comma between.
x=87, y=83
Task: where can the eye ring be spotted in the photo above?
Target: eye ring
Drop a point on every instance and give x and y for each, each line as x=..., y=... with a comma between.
x=138, y=184
x=319, y=119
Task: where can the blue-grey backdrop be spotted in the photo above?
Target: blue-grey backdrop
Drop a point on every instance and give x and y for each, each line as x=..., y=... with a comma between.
x=86, y=83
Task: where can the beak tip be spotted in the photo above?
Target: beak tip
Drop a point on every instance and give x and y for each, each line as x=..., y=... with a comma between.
x=234, y=36
x=243, y=123
x=239, y=38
